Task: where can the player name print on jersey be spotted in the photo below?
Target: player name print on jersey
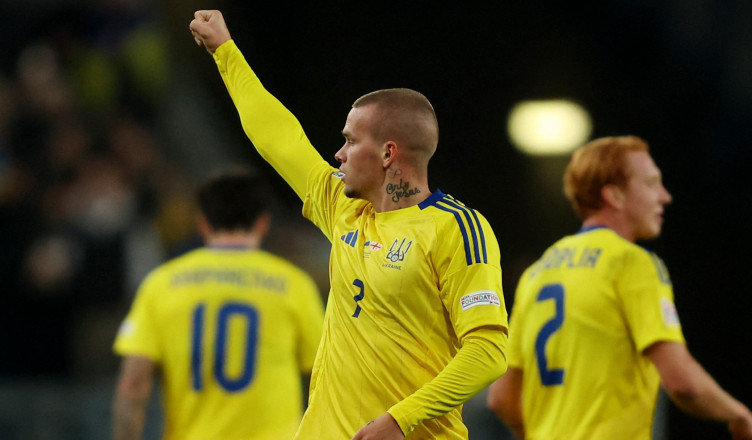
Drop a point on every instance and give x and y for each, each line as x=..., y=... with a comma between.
x=243, y=278
x=568, y=258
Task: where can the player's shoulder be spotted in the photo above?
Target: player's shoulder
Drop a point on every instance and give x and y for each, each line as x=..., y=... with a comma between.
x=448, y=210
x=461, y=229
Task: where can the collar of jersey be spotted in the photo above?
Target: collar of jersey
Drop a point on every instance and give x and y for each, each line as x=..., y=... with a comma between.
x=411, y=210
x=591, y=228
x=229, y=247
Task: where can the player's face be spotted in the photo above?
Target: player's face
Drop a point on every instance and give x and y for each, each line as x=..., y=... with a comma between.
x=645, y=196
x=360, y=157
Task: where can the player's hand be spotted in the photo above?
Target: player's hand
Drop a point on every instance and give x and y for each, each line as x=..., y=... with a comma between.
x=741, y=428
x=382, y=428
x=209, y=29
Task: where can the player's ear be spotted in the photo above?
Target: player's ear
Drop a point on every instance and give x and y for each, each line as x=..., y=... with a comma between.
x=204, y=227
x=389, y=153
x=262, y=224
x=613, y=195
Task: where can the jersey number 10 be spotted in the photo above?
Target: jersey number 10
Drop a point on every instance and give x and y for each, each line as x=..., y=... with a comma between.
x=227, y=311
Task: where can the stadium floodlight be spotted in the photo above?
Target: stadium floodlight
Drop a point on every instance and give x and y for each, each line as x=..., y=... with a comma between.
x=548, y=127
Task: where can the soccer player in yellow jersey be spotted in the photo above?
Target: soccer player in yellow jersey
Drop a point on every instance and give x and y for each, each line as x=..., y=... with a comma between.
x=415, y=322
x=230, y=328
x=594, y=330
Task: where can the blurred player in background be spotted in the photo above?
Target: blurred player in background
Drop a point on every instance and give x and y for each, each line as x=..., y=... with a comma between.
x=230, y=328
x=594, y=330
x=415, y=322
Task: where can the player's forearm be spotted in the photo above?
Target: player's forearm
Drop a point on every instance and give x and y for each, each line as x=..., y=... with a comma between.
x=478, y=363
x=274, y=131
x=701, y=396
x=514, y=423
x=131, y=397
x=128, y=418
x=505, y=400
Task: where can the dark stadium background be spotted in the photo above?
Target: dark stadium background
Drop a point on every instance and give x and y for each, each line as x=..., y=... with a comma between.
x=677, y=73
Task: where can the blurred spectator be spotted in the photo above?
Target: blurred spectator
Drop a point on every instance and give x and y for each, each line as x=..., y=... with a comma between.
x=88, y=202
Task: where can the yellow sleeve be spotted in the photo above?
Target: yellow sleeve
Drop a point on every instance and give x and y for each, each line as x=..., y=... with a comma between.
x=273, y=130
x=647, y=295
x=479, y=362
x=137, y=334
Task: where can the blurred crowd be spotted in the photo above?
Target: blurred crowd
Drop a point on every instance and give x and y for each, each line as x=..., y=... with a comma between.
x=89, y=201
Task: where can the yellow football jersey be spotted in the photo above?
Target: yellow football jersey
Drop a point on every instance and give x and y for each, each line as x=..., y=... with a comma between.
x=406, y=285
x=583, y=314
x=232, y=330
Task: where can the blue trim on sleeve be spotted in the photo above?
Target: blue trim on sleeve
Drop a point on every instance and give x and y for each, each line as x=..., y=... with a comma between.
x=453, y=206
x=462, y=230
x=432, y=199
x=473, y=226
x=482, y=237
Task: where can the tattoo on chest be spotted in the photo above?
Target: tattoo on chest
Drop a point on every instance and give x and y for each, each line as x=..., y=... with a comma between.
x=400, y=190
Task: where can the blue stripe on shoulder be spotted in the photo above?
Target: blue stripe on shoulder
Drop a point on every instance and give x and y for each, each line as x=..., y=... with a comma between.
x=451, y=205
x=432, y=199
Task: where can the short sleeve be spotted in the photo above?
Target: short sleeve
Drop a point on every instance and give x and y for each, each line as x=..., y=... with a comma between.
x=647, y=295
x=137, y=333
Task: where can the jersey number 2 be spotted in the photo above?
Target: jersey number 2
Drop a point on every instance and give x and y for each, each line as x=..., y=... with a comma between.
x=227, y=311
x=548, y=376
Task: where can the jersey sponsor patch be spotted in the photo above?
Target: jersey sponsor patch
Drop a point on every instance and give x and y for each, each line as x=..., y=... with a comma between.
x=670, y=315
x=480, y=298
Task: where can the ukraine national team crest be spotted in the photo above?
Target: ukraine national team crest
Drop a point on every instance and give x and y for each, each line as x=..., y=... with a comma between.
x=397, y=252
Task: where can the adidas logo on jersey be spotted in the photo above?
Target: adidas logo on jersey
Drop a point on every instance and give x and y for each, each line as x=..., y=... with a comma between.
x=350, y=238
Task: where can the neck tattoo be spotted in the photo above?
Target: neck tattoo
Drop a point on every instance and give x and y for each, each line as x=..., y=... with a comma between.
x=400, y=190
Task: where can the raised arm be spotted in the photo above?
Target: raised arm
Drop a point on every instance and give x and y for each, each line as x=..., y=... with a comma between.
x=693, y=390
x=273, y=130
x=209, y=30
